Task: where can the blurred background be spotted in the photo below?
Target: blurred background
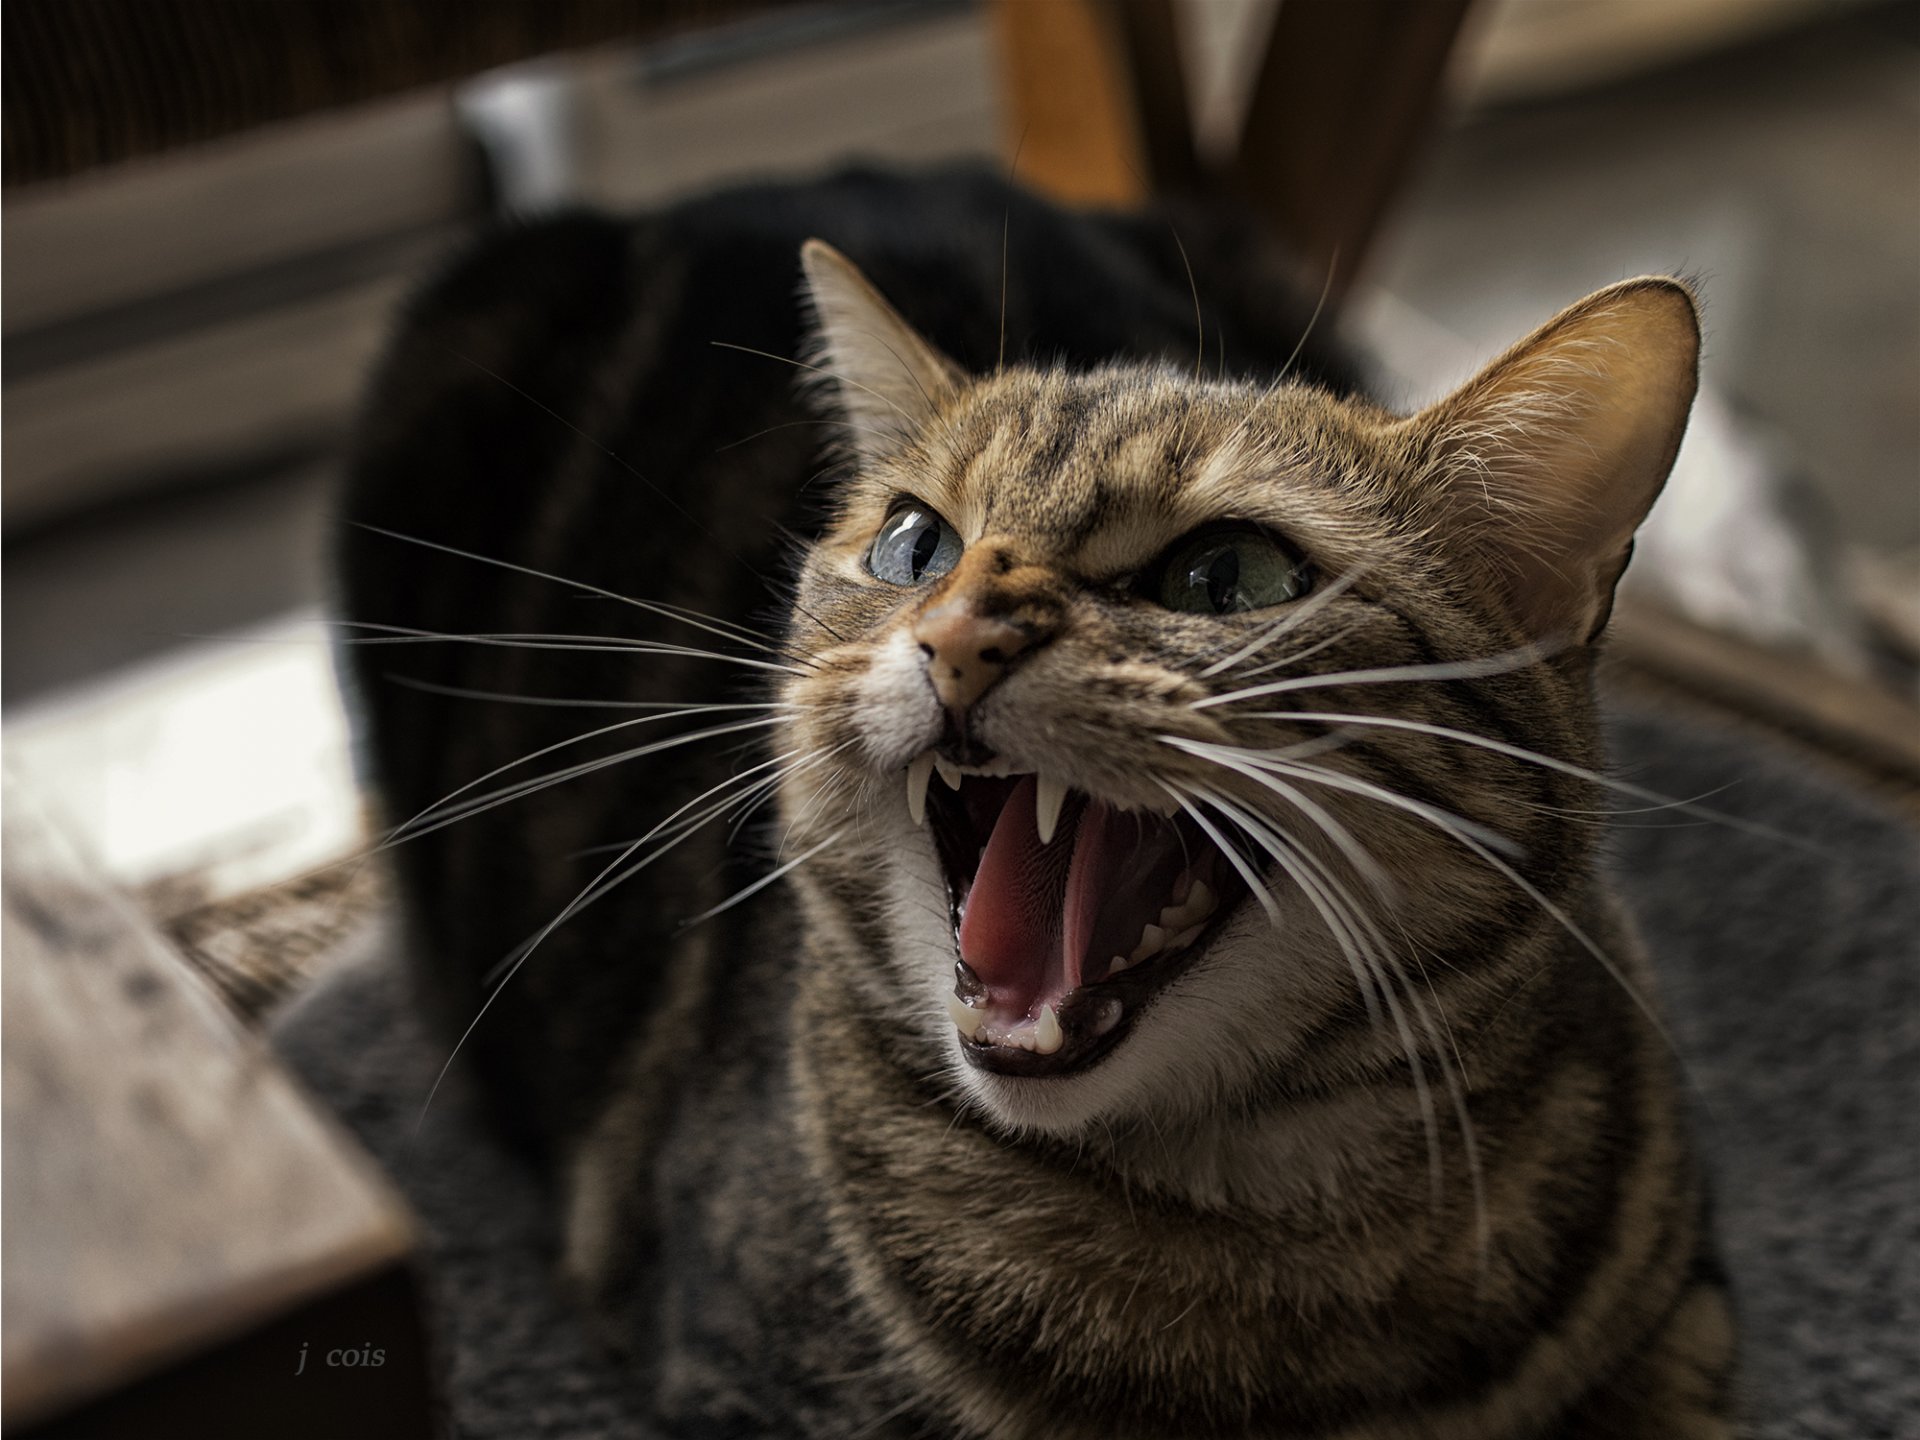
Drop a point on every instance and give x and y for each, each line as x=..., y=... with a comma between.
x=210, y=216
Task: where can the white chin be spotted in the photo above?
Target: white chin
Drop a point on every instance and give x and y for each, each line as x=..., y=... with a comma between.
x=1058, y=1106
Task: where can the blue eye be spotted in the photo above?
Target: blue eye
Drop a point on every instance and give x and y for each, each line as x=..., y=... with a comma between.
x=914, y=545
x=1224, y=572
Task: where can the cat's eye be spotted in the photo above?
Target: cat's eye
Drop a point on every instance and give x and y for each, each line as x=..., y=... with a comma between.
x=1223, y=572
x=913, y=546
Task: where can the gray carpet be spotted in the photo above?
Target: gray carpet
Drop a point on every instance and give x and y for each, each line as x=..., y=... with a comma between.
x=1792, y=980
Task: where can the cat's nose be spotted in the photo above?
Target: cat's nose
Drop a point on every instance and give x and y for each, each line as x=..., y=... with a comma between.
x=966, y=651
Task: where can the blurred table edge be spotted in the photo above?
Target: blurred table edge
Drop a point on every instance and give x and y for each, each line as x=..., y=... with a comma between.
x=170, y=1194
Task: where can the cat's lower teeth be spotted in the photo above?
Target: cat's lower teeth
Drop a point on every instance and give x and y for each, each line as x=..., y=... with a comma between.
x=1192, y=911
x=1043, y=1037
x=1180, y=925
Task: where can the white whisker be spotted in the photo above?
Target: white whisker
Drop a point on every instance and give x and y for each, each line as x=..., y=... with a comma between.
x=713, y=625
x=1454, y=826
x=592, y=644
x=460, y=692
x=1289, y=621
x=1501, y=664
x=1520, y=752
x=441, y=816
x=757, y=886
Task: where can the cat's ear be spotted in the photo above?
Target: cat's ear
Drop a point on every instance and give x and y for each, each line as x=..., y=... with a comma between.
x=1556, y=451
x=889, y=381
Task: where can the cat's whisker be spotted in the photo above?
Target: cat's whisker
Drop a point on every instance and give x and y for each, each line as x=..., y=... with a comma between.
x=1261, y=894
x=1369, y=946
x=793, y=425
x=600, y=885
x=821, y=370
x=413, y=828
x=459, y=692
x=1269, y=842
x=602, y=644
x=1344, y=925
x=713, y=625
x=826, y=793
x=831, y=787
x=1356, y=853
x=1516, y=659
x=1535, y=757
x=749, y=891
x=440, y=814
x=752, y=796
x=1290, y=619
x=524, y=954
x=1326, y=289
x=1452, y=825
x=1283, y=762
x=1298, y=655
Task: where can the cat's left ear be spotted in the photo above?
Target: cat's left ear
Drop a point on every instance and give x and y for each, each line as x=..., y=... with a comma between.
x=889, y=381
x=1552, y=456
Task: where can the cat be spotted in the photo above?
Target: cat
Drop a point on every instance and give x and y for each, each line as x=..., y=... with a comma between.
x=1089, y=924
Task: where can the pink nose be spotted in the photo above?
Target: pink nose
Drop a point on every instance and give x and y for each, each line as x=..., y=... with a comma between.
x=966, y=652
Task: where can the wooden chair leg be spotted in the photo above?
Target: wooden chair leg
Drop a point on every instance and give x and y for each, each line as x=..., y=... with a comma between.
x=1096, y=100
x=1344, y=95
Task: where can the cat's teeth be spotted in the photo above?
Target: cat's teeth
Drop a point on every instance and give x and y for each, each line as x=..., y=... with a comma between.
x=1049, y=796
x=1117, y=964
x=1047, y=1036
x=1185, y=938
x=966, y=1019
x=1152, y=937
x=918, y=773
x=948, y=771
x=1198, y=905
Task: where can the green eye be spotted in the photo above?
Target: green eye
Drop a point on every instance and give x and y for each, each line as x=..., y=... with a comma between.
x=1224, y=572
x=914, y=545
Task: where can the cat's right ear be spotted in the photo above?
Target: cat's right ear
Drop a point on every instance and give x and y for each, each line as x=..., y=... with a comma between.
x=889, y=382
x=1552, y=455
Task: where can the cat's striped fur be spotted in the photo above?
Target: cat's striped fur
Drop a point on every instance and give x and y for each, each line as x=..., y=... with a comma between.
x=1400, y=1153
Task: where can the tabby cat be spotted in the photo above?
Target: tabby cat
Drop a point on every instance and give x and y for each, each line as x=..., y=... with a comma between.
x=1077, y=911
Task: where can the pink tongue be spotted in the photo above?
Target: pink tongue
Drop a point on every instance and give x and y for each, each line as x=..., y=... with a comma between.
x=1031, y=911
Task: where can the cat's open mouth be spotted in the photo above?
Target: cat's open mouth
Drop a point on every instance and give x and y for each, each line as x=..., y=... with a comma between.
x=1069, y=914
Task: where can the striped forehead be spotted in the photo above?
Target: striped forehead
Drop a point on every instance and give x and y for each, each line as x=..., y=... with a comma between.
x=1100, y=473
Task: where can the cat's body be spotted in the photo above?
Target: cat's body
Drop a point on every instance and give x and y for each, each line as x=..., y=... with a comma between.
x=1228, y=1193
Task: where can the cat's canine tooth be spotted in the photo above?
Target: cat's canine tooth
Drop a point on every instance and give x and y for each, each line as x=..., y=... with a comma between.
x=1047, y=1035
x=966, y=1019
x=1049, y=795
x=1152, y=937
x=918, y=773
x=948, y=771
